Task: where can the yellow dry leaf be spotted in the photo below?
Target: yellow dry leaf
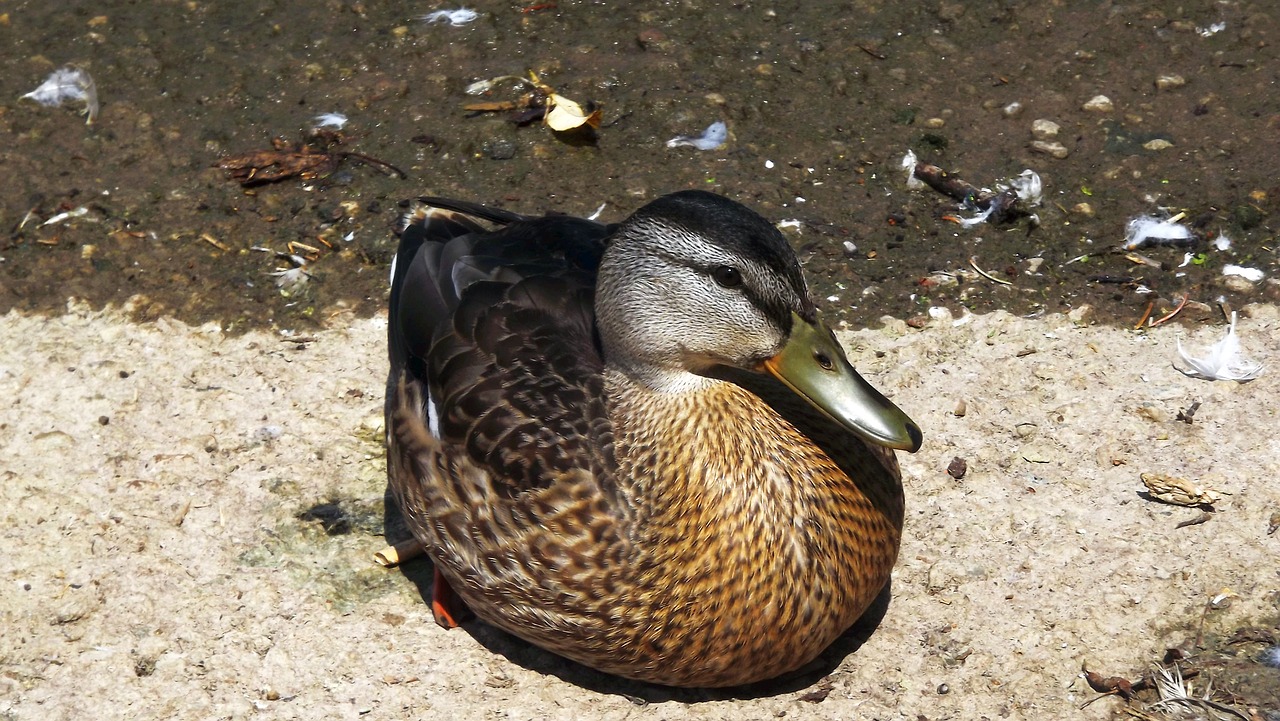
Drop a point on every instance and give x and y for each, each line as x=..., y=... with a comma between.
x=566, y=114
x=1179, y=491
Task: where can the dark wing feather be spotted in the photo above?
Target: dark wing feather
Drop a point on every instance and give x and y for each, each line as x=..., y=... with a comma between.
x=498, y=328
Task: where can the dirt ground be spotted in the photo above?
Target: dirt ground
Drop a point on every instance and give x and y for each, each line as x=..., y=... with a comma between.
x=189, y=519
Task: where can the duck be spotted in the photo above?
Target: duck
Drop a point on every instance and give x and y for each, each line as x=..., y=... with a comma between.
x=636, y=445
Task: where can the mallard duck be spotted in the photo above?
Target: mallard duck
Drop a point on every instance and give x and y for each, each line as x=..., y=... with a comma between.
x=636, y=445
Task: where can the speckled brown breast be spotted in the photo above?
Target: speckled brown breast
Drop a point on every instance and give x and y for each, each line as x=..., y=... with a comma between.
x=665, y=570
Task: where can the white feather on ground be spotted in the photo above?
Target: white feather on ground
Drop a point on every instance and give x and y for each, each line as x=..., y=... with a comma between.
x=1223, y=362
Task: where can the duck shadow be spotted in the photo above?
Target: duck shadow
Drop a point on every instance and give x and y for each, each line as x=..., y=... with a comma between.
x=420, y=572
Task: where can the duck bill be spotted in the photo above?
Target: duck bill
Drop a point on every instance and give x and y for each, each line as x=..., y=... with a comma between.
x=813, y=365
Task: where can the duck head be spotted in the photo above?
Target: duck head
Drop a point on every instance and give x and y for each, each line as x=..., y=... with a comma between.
x=693, y=281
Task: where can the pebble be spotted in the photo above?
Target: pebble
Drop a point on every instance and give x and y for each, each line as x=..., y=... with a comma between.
x=1081, y=314
x=266, y=433
x=1054, y=149
x=499, y=149
x=1240, y=285
x=1012, y=110
x=1157, y=144
x=1099, y=104
x=1083, y=209
x=935, y=123
x=1042, y=129
x=1170, y=82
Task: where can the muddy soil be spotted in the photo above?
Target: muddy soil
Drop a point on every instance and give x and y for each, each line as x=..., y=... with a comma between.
x=822, y=100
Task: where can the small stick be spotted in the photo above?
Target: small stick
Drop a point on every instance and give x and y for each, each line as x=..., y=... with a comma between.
x=1202, y=518
x=214, y=242
x=1145, y=316
x=386, y=168
x=1175, y=311
x=393, y=556
x=297, y=244
x=973, y=261
x=871, y=52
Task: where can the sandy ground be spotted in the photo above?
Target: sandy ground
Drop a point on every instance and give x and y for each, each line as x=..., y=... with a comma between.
x=166, y=489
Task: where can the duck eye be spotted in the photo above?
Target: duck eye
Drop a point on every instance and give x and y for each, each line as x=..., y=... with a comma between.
x=727, y=276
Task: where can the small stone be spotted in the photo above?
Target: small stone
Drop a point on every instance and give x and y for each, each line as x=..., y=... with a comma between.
x=957, y=468
x=1240, y=285
x=1045, y=129
x=1054, y=149
x=1082, y=209
x=950, y=11
x=935, y=123
x=1037, y=453
x=1157, y=144
x=1081, y=314
x=961, y=409
x=1170, y=82
x=499, y=149
x=1012, y=110
x=654, y=40
x=1154, y=412
x=1033, y=265
x=1099, y=104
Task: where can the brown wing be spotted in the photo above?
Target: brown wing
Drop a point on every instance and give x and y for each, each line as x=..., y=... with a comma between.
x=499, y=446
x=499, y=328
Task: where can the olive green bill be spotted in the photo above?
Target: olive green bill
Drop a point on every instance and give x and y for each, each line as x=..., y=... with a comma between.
x=813, y=364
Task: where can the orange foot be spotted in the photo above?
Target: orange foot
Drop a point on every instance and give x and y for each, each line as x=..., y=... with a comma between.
x=446, y=605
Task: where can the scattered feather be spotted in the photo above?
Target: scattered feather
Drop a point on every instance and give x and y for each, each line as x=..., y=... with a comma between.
x=713, y=137
x=790, y=224
x=1222, y=242
x=331, y=120
x=68, y=85
x=67, y=215
x=291, y=280
x=1176, y=692
x=1146, y=230
x=1250, y=274
x=1212, y=30
x=977, y=219
x=1223, y=362
x=909, y=164
x=1271, y=656
x=1027, y=185
x=596, y=214
x=456, y=18
x=480, y=87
